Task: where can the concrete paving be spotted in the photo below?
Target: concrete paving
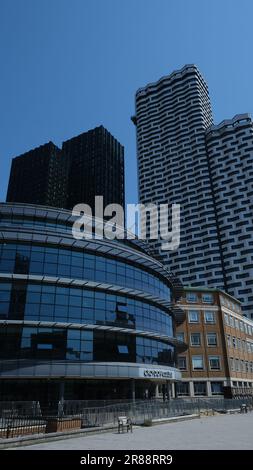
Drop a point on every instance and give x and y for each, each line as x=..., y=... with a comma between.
x=225, y=432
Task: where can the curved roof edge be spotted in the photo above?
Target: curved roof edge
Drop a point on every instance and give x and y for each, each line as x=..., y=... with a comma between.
x=237, y=119
x=151, y=262
x=175, y=74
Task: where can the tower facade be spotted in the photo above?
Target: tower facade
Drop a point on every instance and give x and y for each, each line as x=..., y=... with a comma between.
x=172, y=116
x=230, y=154
x=39, y=177
x=208, y=169
x=88, y=165
x=96, y=168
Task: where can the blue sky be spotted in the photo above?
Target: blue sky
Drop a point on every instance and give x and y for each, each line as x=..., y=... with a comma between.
x=70, y=65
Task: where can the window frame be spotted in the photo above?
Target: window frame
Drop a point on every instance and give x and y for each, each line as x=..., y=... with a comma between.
x=202, y=359
x=211, y=358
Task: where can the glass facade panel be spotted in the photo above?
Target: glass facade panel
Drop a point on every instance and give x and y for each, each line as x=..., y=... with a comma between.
x=50, y=303
x=71, y=344
x=22, y=259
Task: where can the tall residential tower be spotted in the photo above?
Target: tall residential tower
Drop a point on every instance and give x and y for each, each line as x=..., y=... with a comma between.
x=184, y=159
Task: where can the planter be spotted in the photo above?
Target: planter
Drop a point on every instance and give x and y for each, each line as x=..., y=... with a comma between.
x=62, y=424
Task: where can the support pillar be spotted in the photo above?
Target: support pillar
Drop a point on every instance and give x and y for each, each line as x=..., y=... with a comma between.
x=191, y=388
x=208, y=388
x=157, y=391
x=61, y=391
x=168, y=390
x=61, y=398
x=133, y=389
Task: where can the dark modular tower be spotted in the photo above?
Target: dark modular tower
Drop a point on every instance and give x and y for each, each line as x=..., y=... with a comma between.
x=39, y=177
x=96, y=162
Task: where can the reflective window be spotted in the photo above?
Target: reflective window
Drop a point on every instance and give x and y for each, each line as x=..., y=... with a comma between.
x=181, y=362
x=207, y=298
x=180, y=336
x=193, y=316
x=81, y=345
x=183, y=389
x=199, y=388
x=211, y=339
x=214, y=362
x=191, y=297
x=197, y=363
x=210, y=317
x=24, y=301
x=195, y=339
x=23, y=259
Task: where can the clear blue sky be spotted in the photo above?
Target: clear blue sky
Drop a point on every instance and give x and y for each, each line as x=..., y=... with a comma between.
x=70, y=65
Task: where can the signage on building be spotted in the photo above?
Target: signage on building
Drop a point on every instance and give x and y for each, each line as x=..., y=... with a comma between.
x=156, y=374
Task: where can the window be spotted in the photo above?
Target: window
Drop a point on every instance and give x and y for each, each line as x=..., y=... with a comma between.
x=182, y=389
x=232, y=322
x=214, y=363
x=229, y=341
x=207, y=298
x=199, y=388
x=241, y=326
x=182, y=362
x=210, y=317
x=234, y=342
x=197, y=363
x=180, y=336
x=237, y=365
x=191, y=297
x=195, y=339
x=237, y=324
x=211, y=339
x=226, y=319
x=217, y=388
x=193, y=316
x=232, y=363
x=123, y=349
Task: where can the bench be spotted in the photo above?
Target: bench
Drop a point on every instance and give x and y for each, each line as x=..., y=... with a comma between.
x=124, y=423
x=244, y=408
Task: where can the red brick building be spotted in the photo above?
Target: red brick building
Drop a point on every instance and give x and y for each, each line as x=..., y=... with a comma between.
x=219, y=359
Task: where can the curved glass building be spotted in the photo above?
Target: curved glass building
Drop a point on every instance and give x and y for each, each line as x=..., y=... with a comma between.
x=81, y=319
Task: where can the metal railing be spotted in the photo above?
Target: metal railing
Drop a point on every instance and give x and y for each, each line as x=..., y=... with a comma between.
x=24, y=418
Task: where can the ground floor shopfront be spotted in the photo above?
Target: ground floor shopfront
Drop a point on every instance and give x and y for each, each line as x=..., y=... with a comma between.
x=101, y=381
x=203, y=387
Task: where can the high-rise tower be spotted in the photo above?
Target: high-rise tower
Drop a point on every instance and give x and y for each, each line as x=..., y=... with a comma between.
x=172, y=116
x=96, y=168
x=39, y=176
x=183, y=158
x=230, y=154
x=88, y=165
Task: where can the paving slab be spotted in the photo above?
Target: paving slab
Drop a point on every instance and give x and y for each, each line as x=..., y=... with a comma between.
x=225, y=432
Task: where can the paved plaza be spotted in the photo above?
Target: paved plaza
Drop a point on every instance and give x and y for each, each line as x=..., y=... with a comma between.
x=215, y=432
